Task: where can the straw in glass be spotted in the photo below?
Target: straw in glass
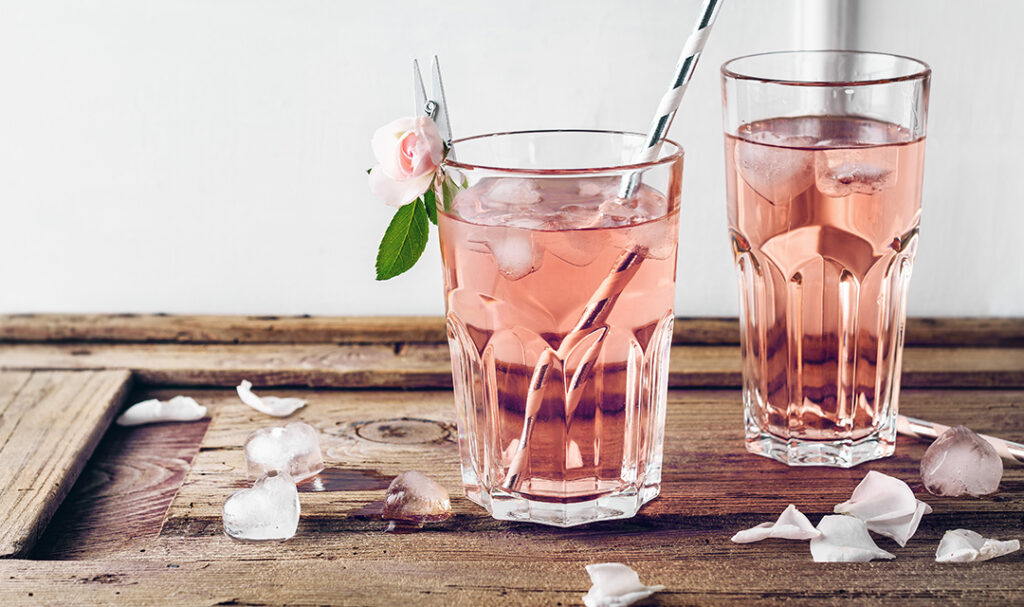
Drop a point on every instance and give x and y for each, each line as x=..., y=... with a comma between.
x=674, y=95
x=626, y=267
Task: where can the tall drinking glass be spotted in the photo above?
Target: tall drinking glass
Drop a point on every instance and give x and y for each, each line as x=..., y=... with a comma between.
x=559, y=300
x=824, y=156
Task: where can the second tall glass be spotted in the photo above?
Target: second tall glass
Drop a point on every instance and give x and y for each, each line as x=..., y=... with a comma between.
x=824, y=157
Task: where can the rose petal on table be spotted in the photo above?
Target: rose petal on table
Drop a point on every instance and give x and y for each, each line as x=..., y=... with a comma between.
x=177, y=409
x=887, y=505
x=791, y=525
x=965, y=546
x=615, y=585
x=845, y=539
x=879, y=497
x=271, y=405
x=903, y=528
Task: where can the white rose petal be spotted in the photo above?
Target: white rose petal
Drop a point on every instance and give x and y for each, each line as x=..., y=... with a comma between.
x=887, y=505
x=385, y=143
x=271, y=405
x=791, y=525
x=395, y=193
x=845, y=539
x=178, y=409
x=615, y=585
x=964, y=546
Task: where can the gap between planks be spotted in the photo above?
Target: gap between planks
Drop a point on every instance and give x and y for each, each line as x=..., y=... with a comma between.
x=424, y=366
x=156, y=328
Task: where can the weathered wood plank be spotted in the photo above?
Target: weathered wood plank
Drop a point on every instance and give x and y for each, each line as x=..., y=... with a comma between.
x=121, y=497
x=50, y=422
x=707, y=473
x=347, y=579
x=681, y=540
x=424, y=366
x=152, y=328
x=202, y=329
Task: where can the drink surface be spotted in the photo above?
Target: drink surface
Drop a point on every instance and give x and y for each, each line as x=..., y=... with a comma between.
x=523, y=258
x=824, y=214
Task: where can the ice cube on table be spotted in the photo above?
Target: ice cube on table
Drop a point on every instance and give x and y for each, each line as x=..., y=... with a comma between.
x=960, y=462
x=414, y=496
x=269, y=510
x=845, y=171
x=775, y=166
x=293, y=449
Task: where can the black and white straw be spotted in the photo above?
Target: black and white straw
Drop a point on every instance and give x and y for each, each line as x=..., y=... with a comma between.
x=670, y=100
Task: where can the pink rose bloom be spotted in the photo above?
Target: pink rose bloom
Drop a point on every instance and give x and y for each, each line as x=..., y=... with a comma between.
x=408, y=152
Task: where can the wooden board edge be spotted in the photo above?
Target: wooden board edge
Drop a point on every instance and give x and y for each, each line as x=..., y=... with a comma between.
x=39, y=524
x=226, y=329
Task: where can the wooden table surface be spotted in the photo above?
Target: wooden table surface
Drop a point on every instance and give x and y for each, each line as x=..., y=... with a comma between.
x=100, y=514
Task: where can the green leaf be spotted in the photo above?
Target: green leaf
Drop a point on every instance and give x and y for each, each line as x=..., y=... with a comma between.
x=448, y=191
x=403, y=241
x=430, y=202
x=369, y=170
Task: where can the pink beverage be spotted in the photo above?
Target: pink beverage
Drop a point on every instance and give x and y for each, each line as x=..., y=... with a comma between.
x=824, y=214
x=525, y=259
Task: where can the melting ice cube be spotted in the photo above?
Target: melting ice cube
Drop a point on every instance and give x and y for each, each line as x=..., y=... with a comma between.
x=414, y=496
x=577, y=247
x=513, y=251
x=267, y=511
x=513, y=191
x=775, y=166
x=845, y=171
x=654, y=239
x=960, y=462
x=294, y=449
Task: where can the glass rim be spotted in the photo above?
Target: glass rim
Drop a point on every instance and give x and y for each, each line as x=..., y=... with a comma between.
x=922, y=72
x=674, y=156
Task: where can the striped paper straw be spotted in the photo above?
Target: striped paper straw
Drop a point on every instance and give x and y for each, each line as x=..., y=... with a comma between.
x=670, y=100
x=602, y=301
x=919, y=428
x=594, y=315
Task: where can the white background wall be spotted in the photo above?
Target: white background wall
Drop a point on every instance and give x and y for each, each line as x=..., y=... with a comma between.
x=209, y=155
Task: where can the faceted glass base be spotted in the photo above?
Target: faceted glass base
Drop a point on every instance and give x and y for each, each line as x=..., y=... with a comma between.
x=841, y=453
x=508, y=507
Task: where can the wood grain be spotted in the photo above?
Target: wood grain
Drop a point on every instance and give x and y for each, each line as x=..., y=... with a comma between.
x=711, y=489
x=210, y=329
x=50, y=422
x=357, y=579
x=121, y=497
x=422, y=366
x=707, y=472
